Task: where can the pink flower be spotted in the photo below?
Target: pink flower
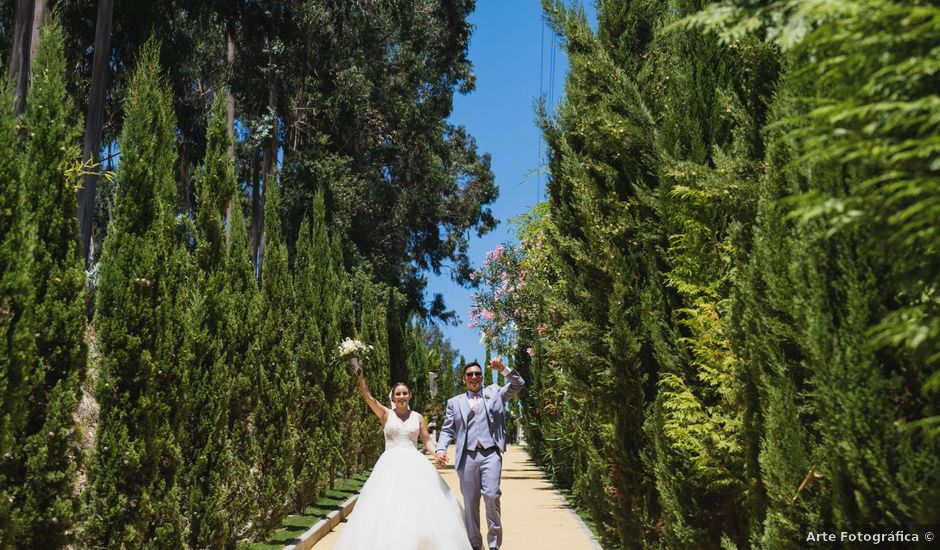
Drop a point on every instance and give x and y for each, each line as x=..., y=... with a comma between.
x=498, y=253
x=471, y=325
x=542, y=328
x=488, y=315
x=530, y=351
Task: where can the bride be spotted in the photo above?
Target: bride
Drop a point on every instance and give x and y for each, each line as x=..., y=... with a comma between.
x=405, y=504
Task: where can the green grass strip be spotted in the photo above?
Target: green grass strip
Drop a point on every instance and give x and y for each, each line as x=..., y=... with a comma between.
x=295, y=525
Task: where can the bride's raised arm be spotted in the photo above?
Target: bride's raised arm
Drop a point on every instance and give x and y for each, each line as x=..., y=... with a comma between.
x=380, y=410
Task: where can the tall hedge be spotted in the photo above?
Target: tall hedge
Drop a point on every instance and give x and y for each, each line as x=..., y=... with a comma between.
x=19, y=359
x=207, y=444
x=734, y=269
x=134, y=496
x=50, y=161
x=323, y=304
x=242, y=290
x=274, y=375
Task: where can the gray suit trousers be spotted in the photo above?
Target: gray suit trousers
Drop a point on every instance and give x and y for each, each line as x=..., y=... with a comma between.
x=480, y=476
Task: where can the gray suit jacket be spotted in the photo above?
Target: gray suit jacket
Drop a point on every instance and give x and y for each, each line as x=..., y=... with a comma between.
x=454, y=429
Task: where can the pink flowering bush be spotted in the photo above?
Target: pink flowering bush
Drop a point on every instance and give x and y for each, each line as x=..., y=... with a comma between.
x=515, y=295
x=508, y=299
x=497, y=304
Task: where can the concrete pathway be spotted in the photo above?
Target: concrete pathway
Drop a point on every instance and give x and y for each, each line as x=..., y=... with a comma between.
x=534, y=513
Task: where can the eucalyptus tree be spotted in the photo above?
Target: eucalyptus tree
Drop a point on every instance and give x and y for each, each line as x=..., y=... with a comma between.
x=366, y=94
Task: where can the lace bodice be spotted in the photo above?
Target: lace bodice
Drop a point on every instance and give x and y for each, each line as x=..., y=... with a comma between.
x=401, y=434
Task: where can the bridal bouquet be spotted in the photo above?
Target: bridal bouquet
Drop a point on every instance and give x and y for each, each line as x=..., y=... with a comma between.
x=350, y=348
x=353, y=349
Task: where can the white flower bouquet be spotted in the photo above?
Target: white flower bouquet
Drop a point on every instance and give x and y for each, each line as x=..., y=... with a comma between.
x=353, y=349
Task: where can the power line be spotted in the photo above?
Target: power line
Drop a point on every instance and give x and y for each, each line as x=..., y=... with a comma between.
x=538, y=185
x=551, y=78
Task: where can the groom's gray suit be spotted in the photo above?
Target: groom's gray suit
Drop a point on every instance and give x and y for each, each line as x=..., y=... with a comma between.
x=480, y=436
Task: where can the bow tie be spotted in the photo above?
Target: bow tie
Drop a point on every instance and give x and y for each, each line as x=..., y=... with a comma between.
x=476, y=395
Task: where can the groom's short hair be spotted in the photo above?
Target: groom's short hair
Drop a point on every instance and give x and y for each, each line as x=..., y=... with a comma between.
x=472, y=364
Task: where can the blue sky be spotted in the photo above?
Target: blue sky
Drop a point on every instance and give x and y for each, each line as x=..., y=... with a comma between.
x=512, y=53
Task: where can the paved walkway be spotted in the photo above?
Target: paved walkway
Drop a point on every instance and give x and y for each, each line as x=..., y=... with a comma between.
x=534, y=514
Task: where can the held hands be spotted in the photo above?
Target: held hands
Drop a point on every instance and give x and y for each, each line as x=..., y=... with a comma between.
x=440, y=458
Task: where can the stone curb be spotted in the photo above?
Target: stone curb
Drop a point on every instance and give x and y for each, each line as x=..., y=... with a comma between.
x=324, y=526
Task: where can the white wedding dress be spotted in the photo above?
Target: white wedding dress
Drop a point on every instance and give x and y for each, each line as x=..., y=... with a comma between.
x=405, y=504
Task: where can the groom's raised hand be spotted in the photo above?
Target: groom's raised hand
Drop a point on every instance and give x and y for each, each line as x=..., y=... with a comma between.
x=497, y=364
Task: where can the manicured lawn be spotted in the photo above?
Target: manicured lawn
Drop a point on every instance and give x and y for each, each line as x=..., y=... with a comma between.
x=296, y=525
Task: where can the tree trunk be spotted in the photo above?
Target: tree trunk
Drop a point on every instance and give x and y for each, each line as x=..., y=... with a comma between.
x=230, y=118
x=94, y=122
x=19, y=53
x=270, y=158
x=257, y=206
x=40, y=18
x=270, y=146
x=229, y=95
x=184, y=175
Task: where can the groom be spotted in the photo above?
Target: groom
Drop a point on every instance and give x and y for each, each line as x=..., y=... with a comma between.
x=475, y=422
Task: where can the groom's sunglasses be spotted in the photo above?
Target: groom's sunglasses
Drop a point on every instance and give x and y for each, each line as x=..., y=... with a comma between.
x=474, y=375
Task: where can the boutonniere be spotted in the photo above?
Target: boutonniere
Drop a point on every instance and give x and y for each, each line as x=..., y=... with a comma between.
x=486, y=395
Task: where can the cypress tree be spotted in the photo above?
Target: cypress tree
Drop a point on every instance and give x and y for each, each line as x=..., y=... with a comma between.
x=846, y=280
x=398, y=341
x=50, y=155
x=374, y=327
x=19, y=360
x=344, y=315
x=442, y=363
x=134, y=498
x=418, y=365
x=242, y=289
x=274, y=372
x=710, y=99
x=320, y=280
x=313, y=421
x=611, y=308
x=761, y=315
x=207, y=451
